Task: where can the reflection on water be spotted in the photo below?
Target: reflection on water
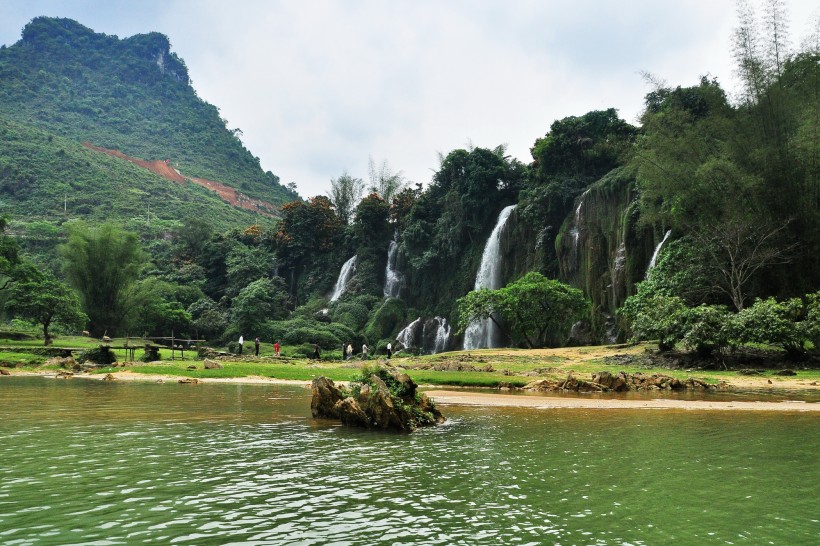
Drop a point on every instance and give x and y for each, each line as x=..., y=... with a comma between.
x=124, y=463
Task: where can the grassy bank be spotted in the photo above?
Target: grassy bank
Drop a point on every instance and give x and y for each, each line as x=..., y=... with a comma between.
x=482, y=368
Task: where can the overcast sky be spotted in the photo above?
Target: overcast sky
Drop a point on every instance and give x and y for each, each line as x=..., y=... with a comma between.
x=317, y=87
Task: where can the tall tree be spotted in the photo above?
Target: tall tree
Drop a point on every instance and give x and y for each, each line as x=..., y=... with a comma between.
x=101, y=263
x=345, y=193
x=383, y=180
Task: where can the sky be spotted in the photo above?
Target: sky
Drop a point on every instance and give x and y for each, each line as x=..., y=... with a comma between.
x=318, y=87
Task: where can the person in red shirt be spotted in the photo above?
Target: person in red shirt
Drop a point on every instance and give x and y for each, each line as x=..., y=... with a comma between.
x=276, y=348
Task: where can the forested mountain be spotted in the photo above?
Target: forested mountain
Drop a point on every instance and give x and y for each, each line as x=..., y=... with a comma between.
x=131, y=95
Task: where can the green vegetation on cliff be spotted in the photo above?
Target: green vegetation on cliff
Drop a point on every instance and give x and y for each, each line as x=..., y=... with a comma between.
x=132, y=95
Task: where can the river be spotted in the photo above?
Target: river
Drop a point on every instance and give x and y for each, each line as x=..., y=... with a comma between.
x=93, y=462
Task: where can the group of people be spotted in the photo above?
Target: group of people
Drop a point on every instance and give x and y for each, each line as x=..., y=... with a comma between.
x=347, y=349
x=241, y=343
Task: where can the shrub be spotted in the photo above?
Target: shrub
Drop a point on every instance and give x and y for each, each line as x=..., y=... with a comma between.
x=776, y=323
x=706, y=328
x=351, y=314
x=656, y=317
x=102, y=355
x=325, y=339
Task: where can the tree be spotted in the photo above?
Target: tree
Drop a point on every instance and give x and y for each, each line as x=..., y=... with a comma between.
x=533, y=310
x=262, y=300
x=45, y=299
x=9, y=256
x=383, y=181
x=245, y=265
x=101, y=264
x=372, y=237
x=154, y=309
x=735, y=251
x=345, y=193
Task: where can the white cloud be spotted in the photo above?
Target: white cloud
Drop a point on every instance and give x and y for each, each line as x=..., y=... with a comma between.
x=319, y=86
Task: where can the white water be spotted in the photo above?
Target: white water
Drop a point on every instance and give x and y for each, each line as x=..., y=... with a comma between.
x=393, y=279
x=430, y=336
x=442, y=335
x=347, y=272
x=576, y=229
x=482, y=333
x=657, y=252
x=405, y=337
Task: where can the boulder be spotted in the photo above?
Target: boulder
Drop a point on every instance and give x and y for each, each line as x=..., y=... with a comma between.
x=212, y=364
x=371, y=402
x=4, y=372
x=325, y=396
x=350, y=413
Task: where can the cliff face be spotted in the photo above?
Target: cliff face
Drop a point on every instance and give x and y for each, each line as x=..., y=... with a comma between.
x=600, y=248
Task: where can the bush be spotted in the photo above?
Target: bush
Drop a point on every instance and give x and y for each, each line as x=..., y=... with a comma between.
x=706, y=328
x=304, y=350
x=351, y=314
x=811, y=325
x=102, y=355
x=325, y=339
x=775, y=323
x=656, y=317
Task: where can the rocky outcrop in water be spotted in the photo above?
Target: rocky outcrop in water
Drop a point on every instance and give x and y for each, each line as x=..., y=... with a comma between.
x=621, y=382
x=383, y=399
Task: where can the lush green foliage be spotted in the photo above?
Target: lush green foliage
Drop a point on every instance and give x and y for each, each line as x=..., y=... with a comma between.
x=102, y=263
x=532, y=311
x=41, y=297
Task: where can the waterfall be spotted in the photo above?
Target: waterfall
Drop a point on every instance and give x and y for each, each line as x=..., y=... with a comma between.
x=347, y=272
x=657, y=253
x=407, y=337
x=393, y=279
x=482, y=333
x=430, y=336
x=575, y=232
x=442, y=335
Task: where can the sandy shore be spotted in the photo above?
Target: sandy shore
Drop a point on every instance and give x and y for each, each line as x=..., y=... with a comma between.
x=463, y=398
x=530, y=400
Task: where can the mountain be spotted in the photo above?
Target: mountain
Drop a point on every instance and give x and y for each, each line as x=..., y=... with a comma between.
x=63, y=84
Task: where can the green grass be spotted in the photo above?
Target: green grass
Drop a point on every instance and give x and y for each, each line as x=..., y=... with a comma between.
x=512, y=367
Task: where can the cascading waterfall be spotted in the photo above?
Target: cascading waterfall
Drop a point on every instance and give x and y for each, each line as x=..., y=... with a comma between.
x=482, y=333
x=393, y=279
x=429, y=336
x=657, y=252
x=408, y=336
x=347, y=272
x=442, y=335
x=575, y=232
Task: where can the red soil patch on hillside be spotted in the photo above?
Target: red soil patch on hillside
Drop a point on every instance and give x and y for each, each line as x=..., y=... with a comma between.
x=226, y=193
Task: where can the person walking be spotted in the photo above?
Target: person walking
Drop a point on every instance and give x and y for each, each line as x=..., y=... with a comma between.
x=316, y=354
x=349, y=351
x=256, y=346
x=389, y=350
x=276, y=348
x=364, y=351
x=240, y=344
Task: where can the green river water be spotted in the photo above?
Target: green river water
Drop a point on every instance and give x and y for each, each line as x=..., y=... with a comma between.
x=93, y=462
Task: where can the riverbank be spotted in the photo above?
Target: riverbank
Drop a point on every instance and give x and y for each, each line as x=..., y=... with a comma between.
x=536, y=401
